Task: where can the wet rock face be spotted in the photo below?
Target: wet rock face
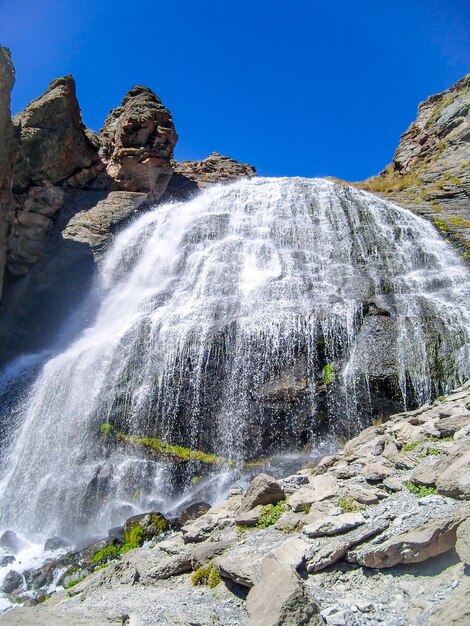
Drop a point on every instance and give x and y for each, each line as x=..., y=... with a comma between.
x=137, y=143
x=7, y=151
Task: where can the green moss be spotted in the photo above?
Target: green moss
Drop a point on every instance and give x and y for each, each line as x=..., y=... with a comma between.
x=106, y=429
x=409, y=447
x=74, y=582
x=420, y=491
x=208, y=575
x=135, y=536
x=305, y=508
x=440, y=225
x=460, y=222
x=349, y=505
x=177, y=452
x=270, y=514
x=328, y=373
x=107, y=553
x=432, y=452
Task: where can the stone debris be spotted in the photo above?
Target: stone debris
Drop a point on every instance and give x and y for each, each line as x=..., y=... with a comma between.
x=354, y=515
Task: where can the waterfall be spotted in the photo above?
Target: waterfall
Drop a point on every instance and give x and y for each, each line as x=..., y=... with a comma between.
x=255, y=318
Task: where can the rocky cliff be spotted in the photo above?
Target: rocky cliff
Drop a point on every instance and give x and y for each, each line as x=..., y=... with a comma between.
x=430, y=170
x=7, y=152
x=64, y=190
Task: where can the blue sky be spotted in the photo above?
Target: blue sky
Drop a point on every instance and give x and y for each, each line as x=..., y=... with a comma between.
x=304, y=88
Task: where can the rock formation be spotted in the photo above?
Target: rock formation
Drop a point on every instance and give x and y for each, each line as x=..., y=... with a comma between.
x=395, y=499
x=190, y=176
x=72, y=189
x=137, y=143
x=7, y=152
x=430, y=171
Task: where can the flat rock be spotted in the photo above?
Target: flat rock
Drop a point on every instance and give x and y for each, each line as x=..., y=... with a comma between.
x=455, y=609
x=333, y=524
x=327, y=552
x=449, y=425
x=319, y=488
x=418, y=544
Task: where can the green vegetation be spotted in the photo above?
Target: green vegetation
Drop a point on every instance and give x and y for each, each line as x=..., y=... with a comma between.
x=305, y=508
x=440, y=225
x=349, y=505
x=390, y=182
x=270, y=514
x=328, y=373
x=74, y=582
x=176, y=452
x=432, y=452
x=460, y=222
x=409, y=447
x=420, y=491
x=208, y=575
x=106, y=429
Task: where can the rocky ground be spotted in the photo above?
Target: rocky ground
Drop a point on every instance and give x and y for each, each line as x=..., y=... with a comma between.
x=378, y=533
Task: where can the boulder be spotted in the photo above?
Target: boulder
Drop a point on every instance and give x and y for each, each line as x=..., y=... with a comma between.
x=149, y=524
x=281, y=598
x=12, y=581
x=333, y=524
x=414, y=546
x=455, y=480
x=320, y=488
x=192, y=512
x=55, y=543
x=374, y=472
x=360, y=494
x=137, y=142
x=10, y=542
x=249, y=518
x=462, y=544
x=262, y=490
x=201, y=528
x=448, y=426
x=6, y=560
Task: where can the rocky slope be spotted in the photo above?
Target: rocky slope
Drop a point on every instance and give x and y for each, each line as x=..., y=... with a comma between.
x=377, y=533
x=430, y=171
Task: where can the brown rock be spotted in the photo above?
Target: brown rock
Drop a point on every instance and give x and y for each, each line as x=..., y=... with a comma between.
x=190, y=176
x=281, y=598
x=53, y=139
x=137, y=143
x=263, y=490
x=455, y=480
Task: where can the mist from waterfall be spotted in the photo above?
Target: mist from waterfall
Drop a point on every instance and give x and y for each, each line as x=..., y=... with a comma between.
x=255, y=318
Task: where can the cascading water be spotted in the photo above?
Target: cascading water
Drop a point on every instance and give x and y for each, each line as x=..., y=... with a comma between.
x=249, y=320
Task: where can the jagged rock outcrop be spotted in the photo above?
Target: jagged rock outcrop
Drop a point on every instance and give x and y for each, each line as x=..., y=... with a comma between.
x=190, y=176
x=7, y=152
x=137, y=143
x=430, y=171
x=53, y=140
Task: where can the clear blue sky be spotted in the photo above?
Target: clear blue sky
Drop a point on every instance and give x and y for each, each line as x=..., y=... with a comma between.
x=306, y=88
